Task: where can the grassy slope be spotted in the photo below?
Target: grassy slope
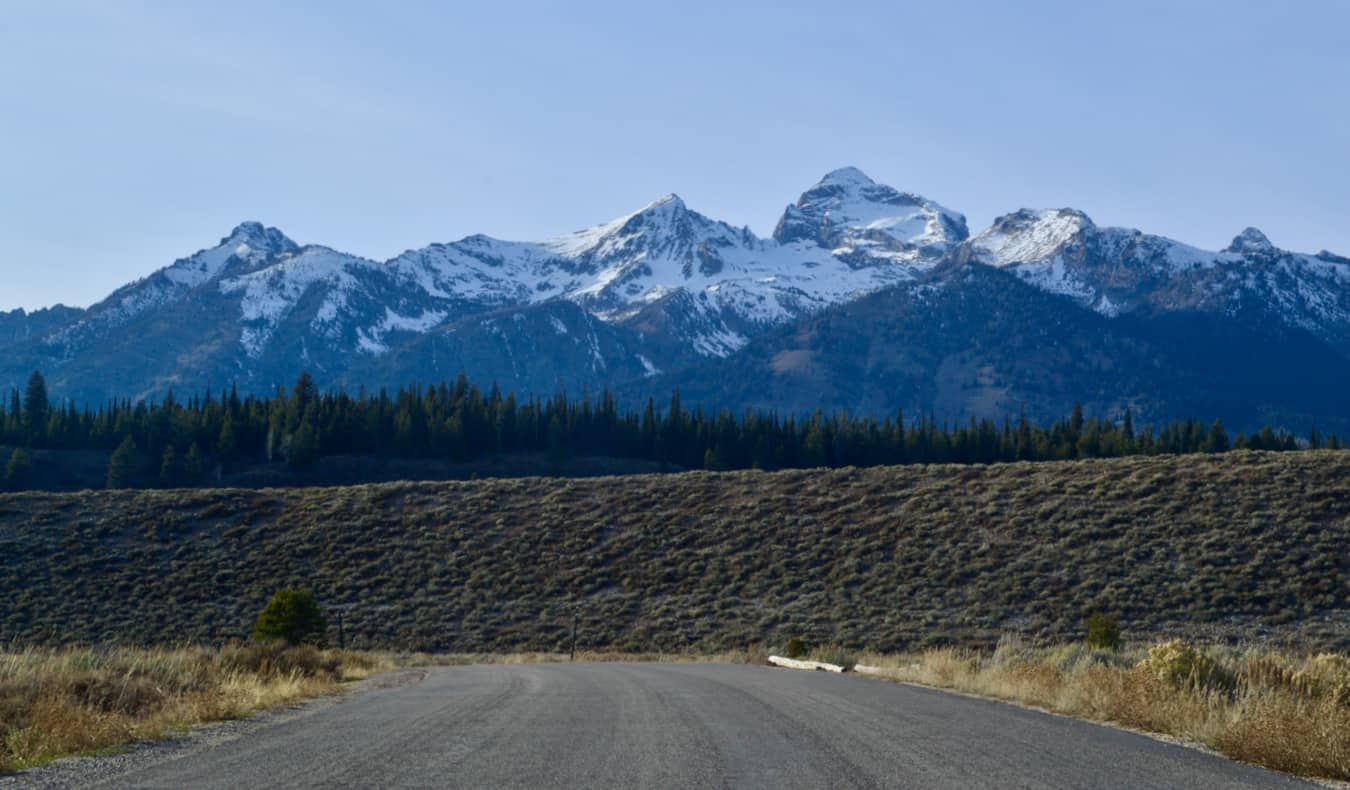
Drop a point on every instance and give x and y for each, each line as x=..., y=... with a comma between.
x=1242, y=545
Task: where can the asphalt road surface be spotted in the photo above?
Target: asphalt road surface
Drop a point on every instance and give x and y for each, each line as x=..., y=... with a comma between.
x=678, y=726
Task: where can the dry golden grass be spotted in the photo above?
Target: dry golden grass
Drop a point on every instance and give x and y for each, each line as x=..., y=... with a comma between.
x=73, y=701
x=1277, y=710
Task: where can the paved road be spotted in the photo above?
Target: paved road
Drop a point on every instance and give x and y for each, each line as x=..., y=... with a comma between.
x=681, y=726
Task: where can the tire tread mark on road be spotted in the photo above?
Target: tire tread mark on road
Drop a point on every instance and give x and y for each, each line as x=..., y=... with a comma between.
x=451, y=733
x=785, y=723
x=687, y=725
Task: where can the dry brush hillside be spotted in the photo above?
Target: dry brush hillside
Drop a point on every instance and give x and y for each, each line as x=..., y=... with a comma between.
x=1243, y=546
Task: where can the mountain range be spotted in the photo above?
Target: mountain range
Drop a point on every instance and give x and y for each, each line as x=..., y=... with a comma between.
x=864, y=298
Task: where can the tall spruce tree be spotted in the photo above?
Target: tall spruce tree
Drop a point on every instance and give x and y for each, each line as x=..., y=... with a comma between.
x=168, y=468
x=122, y=465
x=36, y=408
x=19, y=470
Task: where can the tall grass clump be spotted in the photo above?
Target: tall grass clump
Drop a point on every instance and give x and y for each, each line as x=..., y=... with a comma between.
x=1286, y=712
x=72, y=701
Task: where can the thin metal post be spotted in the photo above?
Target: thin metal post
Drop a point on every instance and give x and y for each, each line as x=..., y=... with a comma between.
x=576, y=614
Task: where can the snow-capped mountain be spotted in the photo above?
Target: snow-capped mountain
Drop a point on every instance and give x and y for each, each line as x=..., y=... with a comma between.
x=1119, y=270
x=249, y=246
x=723, y=283
x=864, y=222
x=654, y=295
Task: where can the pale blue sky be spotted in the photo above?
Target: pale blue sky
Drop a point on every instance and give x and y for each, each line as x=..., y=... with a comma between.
x=134, y=133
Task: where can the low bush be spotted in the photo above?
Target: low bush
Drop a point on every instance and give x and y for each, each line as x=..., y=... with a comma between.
x=1103, y=633
x=1184, y=665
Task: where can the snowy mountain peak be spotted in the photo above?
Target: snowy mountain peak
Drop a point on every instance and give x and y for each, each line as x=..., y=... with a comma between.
x=1029, y=235
x=250, y=243
x=670, y=202
x=845, y=177
x=258, y=238
x=867, y=223
x=1250, y=240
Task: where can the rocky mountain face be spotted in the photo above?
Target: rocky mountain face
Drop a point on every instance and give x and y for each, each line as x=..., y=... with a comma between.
x=19, y=326
x=864, y=297
x=1116, y=271
x=867, y=223
x=965, y=340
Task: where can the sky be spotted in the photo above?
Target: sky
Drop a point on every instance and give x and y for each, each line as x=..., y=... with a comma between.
x=135, y=133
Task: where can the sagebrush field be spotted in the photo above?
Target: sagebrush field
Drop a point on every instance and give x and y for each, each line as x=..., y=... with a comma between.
x=1242, y=546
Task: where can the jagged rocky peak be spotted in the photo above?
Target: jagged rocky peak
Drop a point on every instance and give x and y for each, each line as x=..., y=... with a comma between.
x=666, y=212
x=845, y=178
x=1029, y=235
x=249, y=245
x=258, y=238
x=1251, y=240
x=848, y=210
x=666, y=224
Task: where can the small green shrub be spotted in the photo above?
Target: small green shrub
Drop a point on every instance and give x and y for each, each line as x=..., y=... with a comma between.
x=292, y=616
x=1184, y=665
x=1103, y=632
x=795, y=648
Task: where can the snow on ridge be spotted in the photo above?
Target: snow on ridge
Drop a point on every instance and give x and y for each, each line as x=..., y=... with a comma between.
x=268, y=295
x=846, y=177
x=588, y=240
x=852, y=214
x=846, y=236
x=249, y=241
x=1028, y=236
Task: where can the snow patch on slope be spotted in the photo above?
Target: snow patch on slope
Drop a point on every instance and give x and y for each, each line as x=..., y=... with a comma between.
x=268, y=295
x=1028, y=236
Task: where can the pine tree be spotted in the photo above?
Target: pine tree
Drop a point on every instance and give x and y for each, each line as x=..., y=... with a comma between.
x=227, y=444
x=1217, y=440
x=303, y=449
x=194, y=466
x=19, y=469
x=36, y=407
x=122, y=465
x=168, y=468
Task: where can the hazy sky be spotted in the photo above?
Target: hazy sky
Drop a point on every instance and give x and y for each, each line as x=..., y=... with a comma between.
x=132, y=134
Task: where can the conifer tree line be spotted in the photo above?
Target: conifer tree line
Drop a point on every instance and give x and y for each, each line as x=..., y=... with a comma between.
x=187, y=441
